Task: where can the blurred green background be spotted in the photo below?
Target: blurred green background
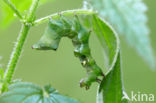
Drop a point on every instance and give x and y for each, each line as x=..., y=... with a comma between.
x=63, y=70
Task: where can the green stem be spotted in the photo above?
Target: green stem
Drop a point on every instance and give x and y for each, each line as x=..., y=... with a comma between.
x=31, y=14
x=8, y=2
x=65, y=13
x=19, y=45
x=16, y=53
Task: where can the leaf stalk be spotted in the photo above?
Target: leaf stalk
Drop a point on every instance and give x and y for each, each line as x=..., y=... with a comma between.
x=65, y=13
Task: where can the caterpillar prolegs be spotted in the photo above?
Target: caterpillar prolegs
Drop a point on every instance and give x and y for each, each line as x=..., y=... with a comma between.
x=64, y=27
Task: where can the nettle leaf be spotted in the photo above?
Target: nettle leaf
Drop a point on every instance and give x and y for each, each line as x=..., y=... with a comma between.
x=7, y=15
x=23, y=92
x=111, y=88
x=128, y=18
x=107, y=38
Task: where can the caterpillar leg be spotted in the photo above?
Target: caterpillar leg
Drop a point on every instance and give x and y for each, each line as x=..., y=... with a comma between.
x=87, y=82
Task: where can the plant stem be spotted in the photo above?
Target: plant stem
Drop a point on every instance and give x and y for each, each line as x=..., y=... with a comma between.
x=31, y=14
x=8, y=2
x=20, y=43
x=65, y=13
x=16, y=53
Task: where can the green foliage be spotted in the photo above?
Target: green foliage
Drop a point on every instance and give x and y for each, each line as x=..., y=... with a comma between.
x=7, y=15
x=110, y=90
x=107, y=38
x=23, y=92
x=128, y=18
x=111, y=87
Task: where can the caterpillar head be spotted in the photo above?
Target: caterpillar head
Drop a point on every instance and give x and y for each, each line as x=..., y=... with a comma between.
x=52, y=36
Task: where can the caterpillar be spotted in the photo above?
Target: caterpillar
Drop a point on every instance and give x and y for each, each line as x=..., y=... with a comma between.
x=73, y=29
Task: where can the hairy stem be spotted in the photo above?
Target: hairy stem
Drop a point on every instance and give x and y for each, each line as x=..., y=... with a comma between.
x=20, y=43
x=65, y=13
x=31, y=14
x=8, y=2
x=16, y=53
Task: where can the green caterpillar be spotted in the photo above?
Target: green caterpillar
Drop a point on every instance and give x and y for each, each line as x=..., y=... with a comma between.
x=64, y=27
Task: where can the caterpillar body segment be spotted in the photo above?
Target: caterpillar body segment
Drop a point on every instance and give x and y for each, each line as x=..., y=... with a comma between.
x=64, y=27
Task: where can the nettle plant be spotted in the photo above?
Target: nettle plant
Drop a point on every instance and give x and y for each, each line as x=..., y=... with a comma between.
x=78, y=25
